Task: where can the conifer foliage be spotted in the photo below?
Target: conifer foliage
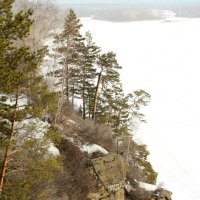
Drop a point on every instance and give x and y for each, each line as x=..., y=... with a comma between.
x=86, y=73
x=69, y=50
x=20, y=81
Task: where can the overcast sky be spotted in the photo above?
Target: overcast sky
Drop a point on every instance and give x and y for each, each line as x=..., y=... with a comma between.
x=126, y=1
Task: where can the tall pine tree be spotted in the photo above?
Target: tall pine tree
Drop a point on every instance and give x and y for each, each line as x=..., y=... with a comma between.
x=69, y=47
x=87, y=75
x=108, y=78
x=18, y=79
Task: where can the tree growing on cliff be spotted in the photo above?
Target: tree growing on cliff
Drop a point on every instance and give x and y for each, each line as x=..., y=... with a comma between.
x=107, y=80
x=87, y=75
x=69, y=48
x=32, y=171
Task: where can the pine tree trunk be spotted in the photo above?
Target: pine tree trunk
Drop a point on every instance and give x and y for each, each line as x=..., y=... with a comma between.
x=67, y=68
x=7, y=151
x=67, y=83
x=72, y=94
x=89, y=107
x=83, y=94
x=66, y=79
x=96, y=96
x=59, y=107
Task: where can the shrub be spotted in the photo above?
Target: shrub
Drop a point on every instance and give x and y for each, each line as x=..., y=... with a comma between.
x=75, y=181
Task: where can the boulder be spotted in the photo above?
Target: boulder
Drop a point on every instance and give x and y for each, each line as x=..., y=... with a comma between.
x=162, y=194
x=110, y=172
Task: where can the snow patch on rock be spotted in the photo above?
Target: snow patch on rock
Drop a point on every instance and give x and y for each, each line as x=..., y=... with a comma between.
x=147, y=186
x=91, y=148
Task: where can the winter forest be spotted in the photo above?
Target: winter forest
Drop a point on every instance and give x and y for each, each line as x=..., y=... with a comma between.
x=62, y=104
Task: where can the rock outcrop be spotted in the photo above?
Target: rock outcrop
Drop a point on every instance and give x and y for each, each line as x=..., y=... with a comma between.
x=161, y=194
x=110, y=173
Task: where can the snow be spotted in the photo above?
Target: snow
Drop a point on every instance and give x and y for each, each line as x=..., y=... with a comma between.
x=128, y=187
x=35, y=128
x=53, y=150
x=148, y=187
x=70, y=121
x=22, y=101
x=162, y=57
x=91, y=148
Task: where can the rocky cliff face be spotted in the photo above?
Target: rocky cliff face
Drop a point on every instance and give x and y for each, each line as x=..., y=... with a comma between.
x=110, y=173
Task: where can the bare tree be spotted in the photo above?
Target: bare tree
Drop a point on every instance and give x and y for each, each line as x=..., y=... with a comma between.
x=45, y=19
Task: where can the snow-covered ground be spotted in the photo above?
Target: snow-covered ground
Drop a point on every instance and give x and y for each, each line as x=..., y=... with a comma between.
x=163, y=58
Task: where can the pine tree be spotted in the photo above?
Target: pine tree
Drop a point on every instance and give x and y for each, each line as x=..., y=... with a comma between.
x=32, y=169
x=88, y=75
x=18, y=78
x=121, y=118
x=142, y=166
x=137, y=99
x=70, y=45
x=108, y=78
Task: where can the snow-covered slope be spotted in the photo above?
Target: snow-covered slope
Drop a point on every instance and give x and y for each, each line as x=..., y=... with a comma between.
x=162, y=57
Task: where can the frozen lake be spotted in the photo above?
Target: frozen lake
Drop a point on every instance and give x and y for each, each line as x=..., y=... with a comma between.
x=163, y=58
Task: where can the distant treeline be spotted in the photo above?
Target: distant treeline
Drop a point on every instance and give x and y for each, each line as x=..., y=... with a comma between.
x=133, y=12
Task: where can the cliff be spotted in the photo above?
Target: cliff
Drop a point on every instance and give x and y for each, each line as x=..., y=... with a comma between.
x=110, y=174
